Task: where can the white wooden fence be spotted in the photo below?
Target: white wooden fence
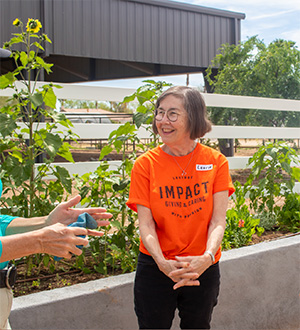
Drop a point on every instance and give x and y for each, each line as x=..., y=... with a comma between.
x=102, y=131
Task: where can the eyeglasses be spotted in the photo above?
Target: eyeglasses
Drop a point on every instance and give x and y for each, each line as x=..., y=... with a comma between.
x=171, y=115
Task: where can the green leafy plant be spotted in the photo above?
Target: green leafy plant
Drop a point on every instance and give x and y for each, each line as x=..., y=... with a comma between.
x=272, y=167
x=240, y=224
x=146, y=97
x=268, y=221
x=30, y=128
x=36, y=284
x=110, y=188
x=289, y=216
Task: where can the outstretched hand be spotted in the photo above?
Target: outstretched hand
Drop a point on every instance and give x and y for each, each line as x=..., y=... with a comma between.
x=65, y=213
x=63, y=241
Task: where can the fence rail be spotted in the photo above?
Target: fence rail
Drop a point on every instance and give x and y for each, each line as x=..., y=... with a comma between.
x=100, y=93
x=102, y=131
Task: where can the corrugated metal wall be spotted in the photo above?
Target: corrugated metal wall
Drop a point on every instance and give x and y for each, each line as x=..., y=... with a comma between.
x=131, y=31
x=151, y=31
x=9, y=10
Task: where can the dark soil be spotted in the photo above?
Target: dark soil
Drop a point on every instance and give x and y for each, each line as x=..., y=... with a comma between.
x=268, y=236
x=64, y=275
x=86, y=156
x=89, y=156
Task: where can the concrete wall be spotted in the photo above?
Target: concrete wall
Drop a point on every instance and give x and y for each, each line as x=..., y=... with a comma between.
x=260, y=287
x=259, y=290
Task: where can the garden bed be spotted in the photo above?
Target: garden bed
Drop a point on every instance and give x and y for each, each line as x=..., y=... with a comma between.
x=66, y=275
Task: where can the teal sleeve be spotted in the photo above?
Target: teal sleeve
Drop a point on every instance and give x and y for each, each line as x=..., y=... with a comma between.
x=2, y=264
x=5, y=220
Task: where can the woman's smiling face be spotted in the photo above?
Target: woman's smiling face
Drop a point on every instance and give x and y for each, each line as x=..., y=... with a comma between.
x=173, y=133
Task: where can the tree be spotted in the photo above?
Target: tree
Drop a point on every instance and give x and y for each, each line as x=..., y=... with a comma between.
x=251, y=68
x=80, y=104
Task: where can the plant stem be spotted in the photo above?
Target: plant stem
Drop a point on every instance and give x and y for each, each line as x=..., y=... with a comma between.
x=30, y=146
x=123, y=178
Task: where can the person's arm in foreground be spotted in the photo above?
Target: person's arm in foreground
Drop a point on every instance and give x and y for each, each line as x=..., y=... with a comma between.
x=150, y=240
x=57, y=239
x=50, y=234
x=64, y=213
x=198, y=264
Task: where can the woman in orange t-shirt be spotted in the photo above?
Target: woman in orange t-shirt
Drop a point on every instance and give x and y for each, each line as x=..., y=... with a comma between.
x=180, y=191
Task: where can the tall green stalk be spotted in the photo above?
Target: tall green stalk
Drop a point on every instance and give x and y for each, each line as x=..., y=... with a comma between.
x=29, y=194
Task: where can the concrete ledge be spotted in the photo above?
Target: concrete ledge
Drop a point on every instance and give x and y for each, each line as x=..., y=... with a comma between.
x=101, y=304
x=260, y=288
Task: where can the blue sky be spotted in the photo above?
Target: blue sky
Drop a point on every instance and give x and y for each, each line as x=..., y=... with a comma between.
x=269, y=19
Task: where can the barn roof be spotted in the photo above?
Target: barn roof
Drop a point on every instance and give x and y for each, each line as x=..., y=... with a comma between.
x=107, y=39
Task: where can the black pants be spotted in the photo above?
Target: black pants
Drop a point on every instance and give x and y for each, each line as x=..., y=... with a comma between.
x=156, y=301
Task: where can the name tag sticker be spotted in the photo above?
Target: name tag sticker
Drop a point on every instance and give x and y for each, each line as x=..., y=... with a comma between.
x=200, y=167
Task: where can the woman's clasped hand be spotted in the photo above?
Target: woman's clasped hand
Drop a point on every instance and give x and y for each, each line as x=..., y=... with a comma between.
x=188, y=269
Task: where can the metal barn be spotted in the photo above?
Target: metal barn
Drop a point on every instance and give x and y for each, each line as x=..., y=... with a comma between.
x=111, y=39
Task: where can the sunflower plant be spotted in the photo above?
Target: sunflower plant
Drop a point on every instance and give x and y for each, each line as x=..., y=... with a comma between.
x=31, y=130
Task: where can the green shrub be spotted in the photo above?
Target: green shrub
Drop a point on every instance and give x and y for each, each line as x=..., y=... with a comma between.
x=268, y=166
x=289, y=216
x=240, y=224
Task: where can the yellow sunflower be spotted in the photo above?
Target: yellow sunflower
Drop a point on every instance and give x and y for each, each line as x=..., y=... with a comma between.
x=16, y=22
x=33, y=25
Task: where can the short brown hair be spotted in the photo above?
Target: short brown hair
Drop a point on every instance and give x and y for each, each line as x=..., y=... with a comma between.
x=194, y=104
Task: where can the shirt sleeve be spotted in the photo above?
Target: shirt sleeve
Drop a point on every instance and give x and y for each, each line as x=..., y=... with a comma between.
x=0, y=251
x=139, y=192
x=223, y=180
x=5, y=220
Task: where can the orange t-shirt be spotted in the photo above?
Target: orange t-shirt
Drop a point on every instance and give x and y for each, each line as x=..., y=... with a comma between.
x=181, y=206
